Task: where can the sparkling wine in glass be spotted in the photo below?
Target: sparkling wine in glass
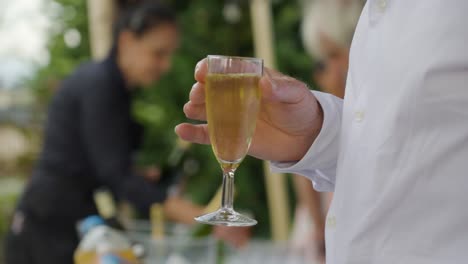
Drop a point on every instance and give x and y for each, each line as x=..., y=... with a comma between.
x=232, y=105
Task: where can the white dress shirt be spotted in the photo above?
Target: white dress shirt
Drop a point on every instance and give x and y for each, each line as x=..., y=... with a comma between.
x=396, y=154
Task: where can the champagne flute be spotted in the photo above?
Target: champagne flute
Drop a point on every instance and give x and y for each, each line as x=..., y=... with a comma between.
x=232, y=105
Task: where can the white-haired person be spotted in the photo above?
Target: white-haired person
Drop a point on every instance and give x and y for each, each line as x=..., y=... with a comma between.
x=327, y=30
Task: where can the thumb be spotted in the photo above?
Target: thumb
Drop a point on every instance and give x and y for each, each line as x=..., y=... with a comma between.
x=281, y=88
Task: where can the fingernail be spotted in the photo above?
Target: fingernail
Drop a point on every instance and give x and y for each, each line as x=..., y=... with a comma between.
x=197, y=66
x=269, y=79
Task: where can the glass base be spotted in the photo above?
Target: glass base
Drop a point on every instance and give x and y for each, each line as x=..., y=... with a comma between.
x=226, y=217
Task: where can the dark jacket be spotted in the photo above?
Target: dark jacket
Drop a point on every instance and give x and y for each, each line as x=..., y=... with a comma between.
x=89, y=140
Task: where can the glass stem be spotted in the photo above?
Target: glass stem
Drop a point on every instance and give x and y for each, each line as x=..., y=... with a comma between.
x=228, y=189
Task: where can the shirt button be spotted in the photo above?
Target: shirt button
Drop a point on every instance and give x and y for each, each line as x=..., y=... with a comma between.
x=382, y=4
x=331, y=222
x=359, y=116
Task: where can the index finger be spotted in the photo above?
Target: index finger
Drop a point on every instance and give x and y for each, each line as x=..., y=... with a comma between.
x=200, y=70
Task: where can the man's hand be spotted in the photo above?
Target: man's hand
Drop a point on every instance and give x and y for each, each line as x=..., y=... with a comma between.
x=289, y=120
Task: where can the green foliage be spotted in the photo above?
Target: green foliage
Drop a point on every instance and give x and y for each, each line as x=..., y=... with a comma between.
x=9, y=192
x=159, y=109
x=290, y=54
x=63, y=60
x=6, y=202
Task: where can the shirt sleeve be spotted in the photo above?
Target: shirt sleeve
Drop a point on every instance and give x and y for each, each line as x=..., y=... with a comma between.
x=319, y=163
x=106, y=136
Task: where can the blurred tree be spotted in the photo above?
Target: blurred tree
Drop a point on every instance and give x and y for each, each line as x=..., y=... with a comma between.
x=68, y=45
x=209, y=27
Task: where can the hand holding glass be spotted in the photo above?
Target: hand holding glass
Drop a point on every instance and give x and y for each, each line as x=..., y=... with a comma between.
x=232, y=105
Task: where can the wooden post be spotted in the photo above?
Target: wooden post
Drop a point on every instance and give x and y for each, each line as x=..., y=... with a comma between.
x=275, y=183
x=100, y=17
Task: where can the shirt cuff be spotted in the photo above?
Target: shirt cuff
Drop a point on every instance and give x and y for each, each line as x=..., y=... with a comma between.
x=319, y=163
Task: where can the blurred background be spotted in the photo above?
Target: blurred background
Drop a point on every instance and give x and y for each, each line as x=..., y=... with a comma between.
x=43, y=41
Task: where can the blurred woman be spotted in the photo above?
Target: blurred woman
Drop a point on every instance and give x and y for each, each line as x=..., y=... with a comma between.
x=89, y=139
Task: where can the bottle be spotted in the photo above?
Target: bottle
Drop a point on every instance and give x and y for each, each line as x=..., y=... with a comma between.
x=101, y=244
x=157, y=221
x=106, y=207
